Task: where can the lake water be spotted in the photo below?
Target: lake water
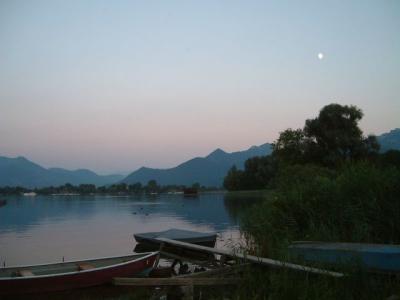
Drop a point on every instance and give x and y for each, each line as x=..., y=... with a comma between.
x=43, y=229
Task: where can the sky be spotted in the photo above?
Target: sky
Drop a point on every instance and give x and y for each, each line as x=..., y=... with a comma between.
x=116, y=85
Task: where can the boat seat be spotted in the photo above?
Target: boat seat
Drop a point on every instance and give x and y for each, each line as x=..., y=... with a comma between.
x=24, y=273
x=84, y=266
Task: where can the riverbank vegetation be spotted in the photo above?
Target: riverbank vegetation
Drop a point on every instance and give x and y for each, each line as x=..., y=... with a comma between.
x=114, y=189
x=328, y=182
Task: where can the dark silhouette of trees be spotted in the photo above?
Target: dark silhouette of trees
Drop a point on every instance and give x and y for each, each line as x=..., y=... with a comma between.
x=291, y=146
x=152, y=187
x=334, y=136
x=233, y=180
x=135, y=188
x=390, y=158
x=87, y=189
x=330, y=139
x=257, y=173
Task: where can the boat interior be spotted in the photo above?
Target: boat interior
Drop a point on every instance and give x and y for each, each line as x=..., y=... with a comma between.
x=65, y=267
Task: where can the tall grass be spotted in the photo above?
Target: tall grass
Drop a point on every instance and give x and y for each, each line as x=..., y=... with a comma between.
x=358, y=203
x=285, y=284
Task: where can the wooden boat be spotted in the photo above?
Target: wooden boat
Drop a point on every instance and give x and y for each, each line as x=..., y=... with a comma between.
x=187, y=236
x=74, y=274
x=373, y=257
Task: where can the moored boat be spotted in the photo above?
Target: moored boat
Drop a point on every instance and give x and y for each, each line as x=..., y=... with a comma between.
x=3, y=202
x=187, y=236
x=190, y=192
x=29, y=194
x=373, y=257
x=74, y=274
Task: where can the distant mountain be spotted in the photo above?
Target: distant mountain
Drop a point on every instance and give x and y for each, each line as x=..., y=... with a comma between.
x=81, y=176
x=22, y=172
x=208, y=171
x=390, y=140
x=211, y=170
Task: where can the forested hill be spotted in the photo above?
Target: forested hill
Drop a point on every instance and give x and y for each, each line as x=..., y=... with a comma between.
x=207, y=171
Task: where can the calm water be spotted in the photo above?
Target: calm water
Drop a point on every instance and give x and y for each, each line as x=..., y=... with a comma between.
x=46, y=228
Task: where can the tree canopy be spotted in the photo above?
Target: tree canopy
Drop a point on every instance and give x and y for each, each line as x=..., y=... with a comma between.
x=329, y=139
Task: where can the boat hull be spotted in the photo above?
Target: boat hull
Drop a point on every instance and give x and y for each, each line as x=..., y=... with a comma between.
x=206, y=243
x=373, y=257
x=74, y=280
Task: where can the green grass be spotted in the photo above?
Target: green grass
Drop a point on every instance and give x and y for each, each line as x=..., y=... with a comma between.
x=358, y=203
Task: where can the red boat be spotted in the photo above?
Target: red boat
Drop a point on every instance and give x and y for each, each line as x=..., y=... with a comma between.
x=74, y=274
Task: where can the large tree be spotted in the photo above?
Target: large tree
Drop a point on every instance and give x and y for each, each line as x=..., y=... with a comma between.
x=331, y=138
x=291, y=146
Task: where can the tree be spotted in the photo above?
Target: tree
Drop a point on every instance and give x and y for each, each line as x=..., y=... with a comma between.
x=135, y=188
x=334, y=134
x=330, y=139
x=152, y=186
x=87, y=188
x=257, y=174
x=371, y=147
x=290, y=146
x=232, y=180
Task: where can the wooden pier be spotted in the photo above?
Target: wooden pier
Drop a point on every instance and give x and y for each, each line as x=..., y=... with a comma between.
x=175, y=281
x=251, y=258
x=227, y=271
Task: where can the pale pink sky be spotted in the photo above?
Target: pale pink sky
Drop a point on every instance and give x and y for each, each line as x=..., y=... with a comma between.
x=112, y=86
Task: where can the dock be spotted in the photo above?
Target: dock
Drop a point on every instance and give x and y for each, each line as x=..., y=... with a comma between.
x=176, y=281
x=251, y=258
x=226, y=268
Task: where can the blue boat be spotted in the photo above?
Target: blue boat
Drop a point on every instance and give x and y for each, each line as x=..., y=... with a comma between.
x=193, y=237
x=373, y=257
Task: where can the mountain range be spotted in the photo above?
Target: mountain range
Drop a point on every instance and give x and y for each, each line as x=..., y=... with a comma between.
x=211, y=170
x=208, y=171
x=20, y=171
x=390, y=140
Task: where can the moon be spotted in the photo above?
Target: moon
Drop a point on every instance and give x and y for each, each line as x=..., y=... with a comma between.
x=320, y=56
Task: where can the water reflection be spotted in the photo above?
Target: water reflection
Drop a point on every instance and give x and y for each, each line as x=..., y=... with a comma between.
x=46, y=228
x=237, y=203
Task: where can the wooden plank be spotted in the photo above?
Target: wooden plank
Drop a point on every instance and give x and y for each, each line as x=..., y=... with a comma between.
x=251, y=258
x=84, y=266
x=24, y=273
x=175, y=281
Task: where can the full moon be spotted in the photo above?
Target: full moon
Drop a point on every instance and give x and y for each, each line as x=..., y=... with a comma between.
x=320, y=56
